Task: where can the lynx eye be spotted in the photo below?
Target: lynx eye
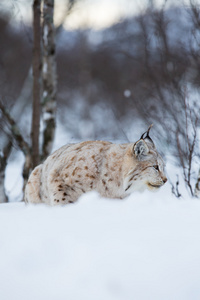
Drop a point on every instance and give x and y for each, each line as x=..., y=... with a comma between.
x=156, y=167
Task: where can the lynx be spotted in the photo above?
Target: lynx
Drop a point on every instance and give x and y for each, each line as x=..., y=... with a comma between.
x=113, y=170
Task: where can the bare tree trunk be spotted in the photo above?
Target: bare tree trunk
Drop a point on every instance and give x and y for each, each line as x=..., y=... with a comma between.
x=32, y=153
x=3, y=163
x=197, y=186
x=49, y=78
x=37, y=64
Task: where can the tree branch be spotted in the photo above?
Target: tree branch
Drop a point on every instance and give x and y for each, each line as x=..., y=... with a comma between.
x=22, y=144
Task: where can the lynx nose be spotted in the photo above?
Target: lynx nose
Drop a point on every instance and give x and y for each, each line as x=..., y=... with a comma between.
x=164, y=179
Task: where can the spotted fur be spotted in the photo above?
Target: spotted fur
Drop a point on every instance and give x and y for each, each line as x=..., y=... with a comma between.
x=113, y=170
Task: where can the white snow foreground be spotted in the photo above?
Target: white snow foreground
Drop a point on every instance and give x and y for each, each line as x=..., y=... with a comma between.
x=141, y=248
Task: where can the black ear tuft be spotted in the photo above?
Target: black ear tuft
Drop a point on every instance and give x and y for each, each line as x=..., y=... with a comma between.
x=140, y=149
x=145, y=135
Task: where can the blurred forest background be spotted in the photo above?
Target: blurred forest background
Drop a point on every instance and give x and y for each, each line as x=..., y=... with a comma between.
x=137, y=64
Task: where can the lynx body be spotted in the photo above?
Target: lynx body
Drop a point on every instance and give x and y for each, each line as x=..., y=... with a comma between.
x=113, y=170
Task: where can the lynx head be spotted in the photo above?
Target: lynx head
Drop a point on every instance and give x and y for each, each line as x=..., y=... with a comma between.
x=146, y=166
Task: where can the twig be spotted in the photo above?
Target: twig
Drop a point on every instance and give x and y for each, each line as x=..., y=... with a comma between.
x=175, y=190
x=22, y=144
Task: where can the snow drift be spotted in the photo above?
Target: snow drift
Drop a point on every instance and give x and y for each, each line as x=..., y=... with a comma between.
x=144, y=247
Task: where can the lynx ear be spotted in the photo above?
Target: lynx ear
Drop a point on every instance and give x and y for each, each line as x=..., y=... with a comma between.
x=140, y=149
x=145, y=136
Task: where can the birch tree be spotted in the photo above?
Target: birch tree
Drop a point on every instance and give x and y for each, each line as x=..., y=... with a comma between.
x=43, y=55
x=49, y=77
x=37, y=75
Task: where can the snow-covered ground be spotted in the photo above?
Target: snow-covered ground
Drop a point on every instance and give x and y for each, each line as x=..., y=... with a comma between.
x=141, y=248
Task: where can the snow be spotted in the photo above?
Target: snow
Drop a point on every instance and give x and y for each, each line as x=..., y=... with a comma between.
x=144, y=247
x=127, y=93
